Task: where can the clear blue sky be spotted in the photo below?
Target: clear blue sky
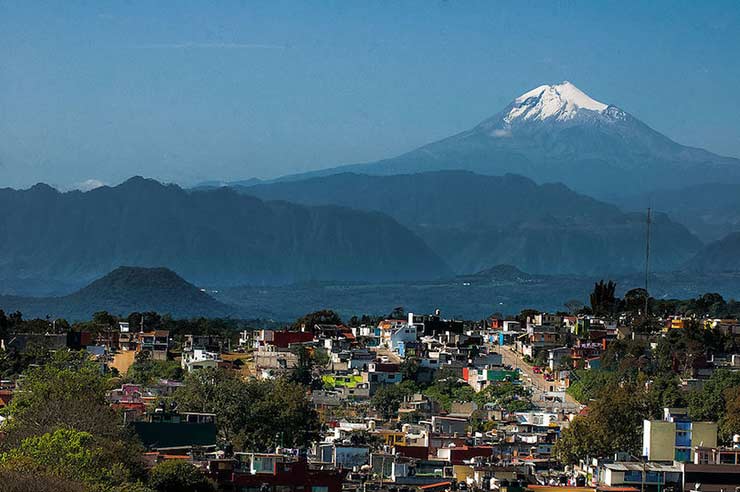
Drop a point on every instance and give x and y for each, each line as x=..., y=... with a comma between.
x=189, y=91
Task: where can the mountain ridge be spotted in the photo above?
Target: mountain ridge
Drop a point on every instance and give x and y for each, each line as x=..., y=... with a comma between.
x=212, y=237
x=473, y=221
x=718, y=256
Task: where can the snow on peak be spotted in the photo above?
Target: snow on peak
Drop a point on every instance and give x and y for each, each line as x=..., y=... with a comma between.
x=561, y=101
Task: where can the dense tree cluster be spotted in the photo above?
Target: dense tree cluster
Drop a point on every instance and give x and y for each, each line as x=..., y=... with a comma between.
x=252, y=415
x=61, y=425
x=146, y=370
x=323, y=317
x=613, y=424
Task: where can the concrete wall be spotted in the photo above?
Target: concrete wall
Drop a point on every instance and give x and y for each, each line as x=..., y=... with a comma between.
x=704, y=434
x=659, y=440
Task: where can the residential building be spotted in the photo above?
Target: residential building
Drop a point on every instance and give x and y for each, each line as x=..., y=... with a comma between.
x=675, y=437
x=199, y=358
x=156, y=343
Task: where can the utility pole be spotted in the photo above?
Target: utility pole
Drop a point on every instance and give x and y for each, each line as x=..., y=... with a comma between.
x=647, y=262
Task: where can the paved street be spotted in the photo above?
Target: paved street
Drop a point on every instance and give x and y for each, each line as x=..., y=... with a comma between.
x=392, y=356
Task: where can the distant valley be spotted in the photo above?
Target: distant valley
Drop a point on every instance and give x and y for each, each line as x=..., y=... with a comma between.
x=473, y=221
x=502, y=288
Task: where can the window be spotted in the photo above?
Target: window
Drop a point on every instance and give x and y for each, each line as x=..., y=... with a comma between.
x=682, y=454
x=727, y=458
x=633, y=476
x=319, y=488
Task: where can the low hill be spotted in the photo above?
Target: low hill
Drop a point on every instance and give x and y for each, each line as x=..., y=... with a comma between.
x=473, y=221
x=499, y=273
x=123, y=291
x=213, y=237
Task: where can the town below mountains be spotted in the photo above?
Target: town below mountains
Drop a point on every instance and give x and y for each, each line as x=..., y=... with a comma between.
x=577, y=274
x=623, y=394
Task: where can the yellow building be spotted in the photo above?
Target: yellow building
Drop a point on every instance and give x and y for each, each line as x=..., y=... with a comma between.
x=392, y=438
x=463, y=472
x=675, y=323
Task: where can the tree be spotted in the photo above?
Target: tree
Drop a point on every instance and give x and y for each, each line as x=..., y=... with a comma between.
x=151, y=321
x=506, y=396
x=397, y=313
x=448, y=388
x=302, y=373
x=69, y=392
x=66, y=453
x=364, y=438
x=613, y=424
x=410, y=369
x=322, y=317
x=573, y=444
x=729, y=424
x=146, y=370
x=387, y=399
x=710, y=402
x=177, y=476
x=634, y=302
x=252, y=415
x=71, y=457
x=589, y=384
x=17, y=481
x=603, y=300
x=104, y=319
x=574, y=306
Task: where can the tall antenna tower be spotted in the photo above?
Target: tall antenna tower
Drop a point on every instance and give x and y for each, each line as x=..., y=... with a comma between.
x=647, y=260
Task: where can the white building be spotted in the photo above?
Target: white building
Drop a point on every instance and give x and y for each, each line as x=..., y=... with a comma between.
x=199, y=359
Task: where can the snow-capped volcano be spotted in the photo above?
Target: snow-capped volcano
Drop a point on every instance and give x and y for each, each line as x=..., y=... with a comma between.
x=561, y=101
x=559, y=133
x=562, y=105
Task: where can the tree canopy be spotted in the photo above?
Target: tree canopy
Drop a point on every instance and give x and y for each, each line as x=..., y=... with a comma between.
x=253, y=415
x=62, y=425
x=177, y=476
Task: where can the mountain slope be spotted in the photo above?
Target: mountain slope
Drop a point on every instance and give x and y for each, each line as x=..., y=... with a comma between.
x=709, y=210
x=123, y=291
x=216, y=237
x=476, y=221
x=719, y=256
x=558, y=133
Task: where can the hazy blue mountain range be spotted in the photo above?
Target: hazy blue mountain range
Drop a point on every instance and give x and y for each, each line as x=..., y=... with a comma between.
x=123, y=291
x=722, y=255
x=558, y=133
x=217, y=237
x=709, y=210
x=474, y=221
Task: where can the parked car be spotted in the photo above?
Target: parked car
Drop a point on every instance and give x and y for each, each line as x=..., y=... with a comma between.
x=537, y=370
